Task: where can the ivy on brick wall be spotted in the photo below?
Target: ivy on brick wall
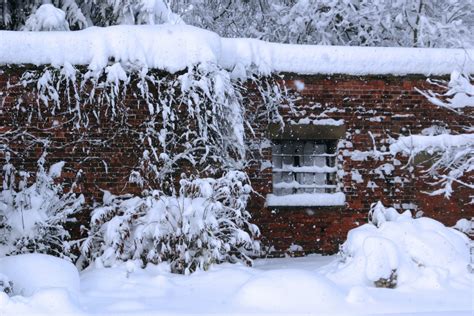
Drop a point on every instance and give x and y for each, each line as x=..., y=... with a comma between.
x=197, y=118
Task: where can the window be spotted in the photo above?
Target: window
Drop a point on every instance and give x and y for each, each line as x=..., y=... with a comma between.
x=303, y=167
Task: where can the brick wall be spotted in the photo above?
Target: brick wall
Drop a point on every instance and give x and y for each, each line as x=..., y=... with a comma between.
x=384, y=106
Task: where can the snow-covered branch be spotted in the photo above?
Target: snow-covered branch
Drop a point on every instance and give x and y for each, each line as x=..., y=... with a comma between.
x=453, y=160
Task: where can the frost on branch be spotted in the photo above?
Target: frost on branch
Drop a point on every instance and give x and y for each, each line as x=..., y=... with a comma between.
x=207, y=223
x=33, y=217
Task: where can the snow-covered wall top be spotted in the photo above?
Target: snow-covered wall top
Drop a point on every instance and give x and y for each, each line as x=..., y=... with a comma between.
x=175, y=47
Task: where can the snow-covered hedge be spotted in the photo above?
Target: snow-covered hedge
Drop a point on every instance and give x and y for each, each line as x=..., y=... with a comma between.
x=208, y=223
x=394, y=249
x=33, y=217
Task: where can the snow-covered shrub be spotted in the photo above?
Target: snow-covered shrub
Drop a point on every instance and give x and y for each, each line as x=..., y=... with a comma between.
x=47, y=18
x=207, y=223
x=393, y=250
x=32, y=217
x=380, y=214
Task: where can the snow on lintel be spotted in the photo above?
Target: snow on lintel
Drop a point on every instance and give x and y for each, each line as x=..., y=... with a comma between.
x=176, y=47
x=319, y=122
x=307, y=199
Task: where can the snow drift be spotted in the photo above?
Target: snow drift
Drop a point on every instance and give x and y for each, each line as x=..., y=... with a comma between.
x=289, y=291
x=30, y=273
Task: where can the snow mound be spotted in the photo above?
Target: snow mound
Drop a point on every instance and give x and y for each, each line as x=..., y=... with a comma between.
x=403, y=250
x=33, y=272
x=175, y=47
x=289, y=291
x=464, y=225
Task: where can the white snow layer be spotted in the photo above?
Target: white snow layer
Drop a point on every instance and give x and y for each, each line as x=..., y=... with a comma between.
x=307, y=199
x=284, y=286
x=175, y=47
x=429, y=259
x=415, y=144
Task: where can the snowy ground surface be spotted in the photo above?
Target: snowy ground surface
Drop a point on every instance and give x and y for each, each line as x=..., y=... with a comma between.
x=282, y=286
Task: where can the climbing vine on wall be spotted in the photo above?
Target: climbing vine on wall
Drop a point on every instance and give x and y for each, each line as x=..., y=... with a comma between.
x=198, y=117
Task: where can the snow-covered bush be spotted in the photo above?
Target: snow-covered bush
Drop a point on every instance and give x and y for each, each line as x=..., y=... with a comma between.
x=207, y=223
x=32, y=217
x=395, y=249
x=139, y=12
x=47, y=18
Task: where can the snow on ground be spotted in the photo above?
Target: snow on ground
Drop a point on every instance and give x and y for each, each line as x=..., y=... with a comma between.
x=175, y=47
x=283, y=286
x=425, y=261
